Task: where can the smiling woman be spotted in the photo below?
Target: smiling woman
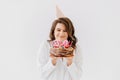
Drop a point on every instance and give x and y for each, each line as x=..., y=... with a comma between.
x=65, y=62
x=60, y=32
x=63, y=29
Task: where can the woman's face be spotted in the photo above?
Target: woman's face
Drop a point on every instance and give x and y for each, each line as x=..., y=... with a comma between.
x=60, y=32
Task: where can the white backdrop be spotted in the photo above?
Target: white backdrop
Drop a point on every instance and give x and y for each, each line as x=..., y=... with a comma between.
x=25, y=23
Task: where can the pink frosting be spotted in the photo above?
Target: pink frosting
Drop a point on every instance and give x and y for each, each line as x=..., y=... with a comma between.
x=57, y=44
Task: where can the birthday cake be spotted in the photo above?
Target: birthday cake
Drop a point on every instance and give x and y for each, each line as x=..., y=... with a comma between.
x=61, y=48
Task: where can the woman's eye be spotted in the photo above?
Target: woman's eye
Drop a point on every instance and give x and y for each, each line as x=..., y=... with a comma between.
x=58, y=30
x=64, y=31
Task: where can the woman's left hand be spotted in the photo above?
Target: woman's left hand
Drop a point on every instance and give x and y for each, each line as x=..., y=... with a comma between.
x=69, y=60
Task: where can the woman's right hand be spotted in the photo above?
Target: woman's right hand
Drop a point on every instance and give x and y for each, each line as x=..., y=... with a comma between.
x=54, y=59
x=54, y=51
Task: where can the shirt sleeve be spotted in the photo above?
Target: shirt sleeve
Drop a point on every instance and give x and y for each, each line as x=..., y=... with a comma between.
x=44, y=61
x=75, y=69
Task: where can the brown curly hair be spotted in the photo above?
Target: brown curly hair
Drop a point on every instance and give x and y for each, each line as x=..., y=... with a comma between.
x=69, y=28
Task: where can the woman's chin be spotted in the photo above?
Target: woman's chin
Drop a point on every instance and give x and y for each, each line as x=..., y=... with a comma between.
x=60, y=39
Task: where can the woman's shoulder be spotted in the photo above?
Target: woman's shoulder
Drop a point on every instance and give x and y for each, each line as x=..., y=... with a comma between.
x=77, y=45
x=45, y=43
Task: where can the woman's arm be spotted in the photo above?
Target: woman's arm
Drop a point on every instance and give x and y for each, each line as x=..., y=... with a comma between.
x=45, y=62
x=74, y=64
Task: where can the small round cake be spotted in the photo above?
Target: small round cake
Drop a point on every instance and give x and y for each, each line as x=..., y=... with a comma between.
x=61, y=48
x=62, y=52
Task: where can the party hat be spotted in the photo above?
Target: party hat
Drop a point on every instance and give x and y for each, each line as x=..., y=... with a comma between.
x=59, y=12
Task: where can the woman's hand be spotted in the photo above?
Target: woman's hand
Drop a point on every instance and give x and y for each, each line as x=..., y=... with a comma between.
x=54, y=52
x=54, y=59
x=69, y=60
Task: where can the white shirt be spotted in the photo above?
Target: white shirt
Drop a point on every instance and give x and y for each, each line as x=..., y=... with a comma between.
x=60, y=71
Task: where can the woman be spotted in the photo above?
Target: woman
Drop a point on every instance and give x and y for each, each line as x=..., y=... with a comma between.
x=60, y=68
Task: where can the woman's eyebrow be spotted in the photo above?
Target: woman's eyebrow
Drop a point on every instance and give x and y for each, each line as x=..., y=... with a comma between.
x=58, y=28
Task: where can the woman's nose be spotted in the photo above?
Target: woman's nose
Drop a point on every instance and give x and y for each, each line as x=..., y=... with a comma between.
x=61, y=33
